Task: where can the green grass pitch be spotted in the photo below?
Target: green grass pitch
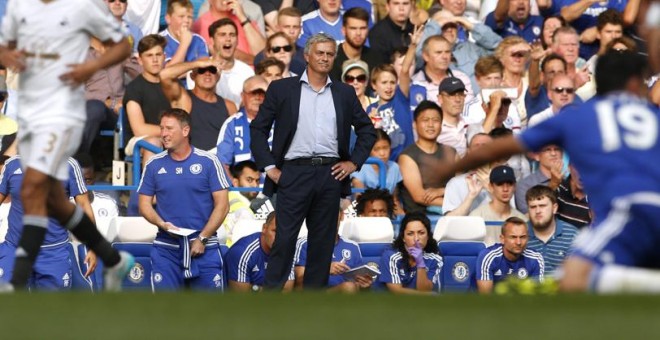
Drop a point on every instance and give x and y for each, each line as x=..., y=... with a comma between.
x=326, y=316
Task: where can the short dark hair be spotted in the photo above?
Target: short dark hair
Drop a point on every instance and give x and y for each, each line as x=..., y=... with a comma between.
x=270, y=217
x=264, y=64
x=237, y=169
x=375, y=194
x=538, y=192
x=382, y=135
x=630, y=44
x=500, y=132
x=181, y=115
x=513, y=220
x=426, y=105
x=628, y=65
x=399, y=245
x=150, y=41
x=220, y=23
x=551, y=57
x=610, y=16
x=183, y=3
x=356, y=13
x=84, y=159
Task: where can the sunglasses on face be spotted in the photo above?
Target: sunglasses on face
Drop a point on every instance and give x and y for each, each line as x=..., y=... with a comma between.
x=567, y=90
x=361, y=78
x=203, y=70
x=256, y=92
x=122, y=1
x=519, y=54
x=277, y=49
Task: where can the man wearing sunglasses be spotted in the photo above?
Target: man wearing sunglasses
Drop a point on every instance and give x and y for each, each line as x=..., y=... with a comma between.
x=208, y=110
x=560, y=93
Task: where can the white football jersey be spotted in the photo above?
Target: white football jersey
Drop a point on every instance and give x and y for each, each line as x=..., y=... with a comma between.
x=54, y=35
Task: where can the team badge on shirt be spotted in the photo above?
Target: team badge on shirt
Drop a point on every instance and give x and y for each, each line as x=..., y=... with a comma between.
x=196, y=168
x=460, y=272
x=158, y=277
x=522, y=273
x=136, y=275
x=345, y=254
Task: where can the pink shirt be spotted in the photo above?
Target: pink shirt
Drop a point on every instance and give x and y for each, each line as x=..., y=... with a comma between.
x=201, y=27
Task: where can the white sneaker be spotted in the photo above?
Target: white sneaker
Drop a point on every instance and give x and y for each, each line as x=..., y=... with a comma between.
x=113, y=276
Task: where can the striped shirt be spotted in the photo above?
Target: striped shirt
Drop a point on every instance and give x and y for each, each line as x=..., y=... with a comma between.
x=557, y=246
x=492, y=265
x=571, y=209
x=246, y=261
x=395, y=271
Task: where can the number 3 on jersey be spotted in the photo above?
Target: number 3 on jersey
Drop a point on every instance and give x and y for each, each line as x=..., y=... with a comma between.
x=633, y=125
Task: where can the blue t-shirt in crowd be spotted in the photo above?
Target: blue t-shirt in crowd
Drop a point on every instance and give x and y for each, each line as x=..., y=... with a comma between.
x=396, y=121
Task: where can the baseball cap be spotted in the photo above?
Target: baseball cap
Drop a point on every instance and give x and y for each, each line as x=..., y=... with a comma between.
x=351, y=64
x=502, y=174
x=451, y=85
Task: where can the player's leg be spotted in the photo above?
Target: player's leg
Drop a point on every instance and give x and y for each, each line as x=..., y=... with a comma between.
x=610, y=257
x=322, y=229
x=211, y=276
x=166, y=269
x=40, y=157
x=345, y=287
x=53, y=270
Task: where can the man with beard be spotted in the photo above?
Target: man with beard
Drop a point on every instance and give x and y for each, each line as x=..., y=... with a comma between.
x=355, y=29
x=548, y=235
x=502, y=186
x=510, y=257
x=511, y=17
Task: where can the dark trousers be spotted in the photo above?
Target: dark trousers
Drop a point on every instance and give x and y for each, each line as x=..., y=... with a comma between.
x=304, y=192
x=99, y=117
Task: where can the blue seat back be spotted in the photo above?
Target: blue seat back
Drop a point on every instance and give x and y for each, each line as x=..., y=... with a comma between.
x=139, y=277
x=459, y=265
x=371, y=253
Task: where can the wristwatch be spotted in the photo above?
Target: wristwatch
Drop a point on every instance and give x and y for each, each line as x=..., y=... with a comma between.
x=203, y=239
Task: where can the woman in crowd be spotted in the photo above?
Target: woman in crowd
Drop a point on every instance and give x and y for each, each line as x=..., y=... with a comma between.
x=279, y=47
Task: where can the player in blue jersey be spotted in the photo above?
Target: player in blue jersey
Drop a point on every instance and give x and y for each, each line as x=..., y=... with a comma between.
x=612, y=141
x=190, y=187
x=510, y=257
x=52, y=269
x=247, y=259
x=413, y=264
x=345, y=256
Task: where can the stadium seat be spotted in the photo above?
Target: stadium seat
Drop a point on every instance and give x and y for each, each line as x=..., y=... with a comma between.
x=78, y=269
x=466, y=228
x=244, y=227
x=368, y=230
x=460, y=242
x=139, y=277
x=493, y=231
x=107, y=226
x=132, y=229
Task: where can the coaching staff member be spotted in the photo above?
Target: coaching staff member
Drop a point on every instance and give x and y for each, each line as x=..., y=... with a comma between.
x=310, y=163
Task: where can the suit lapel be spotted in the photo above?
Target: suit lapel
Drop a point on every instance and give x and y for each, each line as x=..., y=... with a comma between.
x=336, y=98
x=295, y=104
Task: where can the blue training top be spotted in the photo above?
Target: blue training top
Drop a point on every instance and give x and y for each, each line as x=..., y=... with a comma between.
x=11, y=178
x=492, y=265
x=345, y=250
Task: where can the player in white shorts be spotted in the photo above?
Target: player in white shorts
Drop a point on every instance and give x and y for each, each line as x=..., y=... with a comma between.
x=47, y=42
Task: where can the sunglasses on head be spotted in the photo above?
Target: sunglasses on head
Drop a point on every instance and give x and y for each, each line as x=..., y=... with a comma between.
x=519, y=54
x=277, y=49
x=361, y=78
x=257, y=92
x=203, y=70
x=567, y=90
x=122, y=1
